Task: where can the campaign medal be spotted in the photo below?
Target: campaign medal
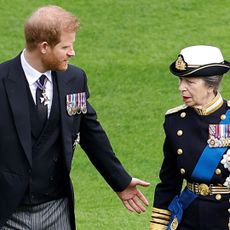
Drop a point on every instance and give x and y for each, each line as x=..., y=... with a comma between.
x=71, y=104
x=76, y=103
x=83, y=103
x=219, y=135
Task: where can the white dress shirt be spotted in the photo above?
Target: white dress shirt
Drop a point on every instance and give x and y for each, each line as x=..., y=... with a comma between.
x=32, y=75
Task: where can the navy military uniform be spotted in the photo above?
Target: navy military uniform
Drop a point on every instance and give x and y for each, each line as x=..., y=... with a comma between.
x=185, y=199
x=187, y=133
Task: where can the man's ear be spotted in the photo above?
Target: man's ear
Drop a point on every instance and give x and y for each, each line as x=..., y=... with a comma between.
x=43, y=46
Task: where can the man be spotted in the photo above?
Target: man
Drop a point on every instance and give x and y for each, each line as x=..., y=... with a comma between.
x=44, y=114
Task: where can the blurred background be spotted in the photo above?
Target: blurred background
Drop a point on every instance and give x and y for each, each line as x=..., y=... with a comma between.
x=126, y=47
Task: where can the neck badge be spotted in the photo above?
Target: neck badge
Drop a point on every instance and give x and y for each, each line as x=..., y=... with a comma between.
x=44, y=99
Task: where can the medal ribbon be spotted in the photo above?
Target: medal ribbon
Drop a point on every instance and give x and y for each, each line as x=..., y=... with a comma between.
x=40, y=86
x=210, y=158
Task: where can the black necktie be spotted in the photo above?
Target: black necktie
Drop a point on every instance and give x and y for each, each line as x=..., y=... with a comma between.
x=41, y=99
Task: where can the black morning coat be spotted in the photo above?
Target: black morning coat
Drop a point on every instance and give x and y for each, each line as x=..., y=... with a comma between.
x=15, y=137
x=187, y=133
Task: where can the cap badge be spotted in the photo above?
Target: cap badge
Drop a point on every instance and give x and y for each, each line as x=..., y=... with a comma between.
x=180, y=63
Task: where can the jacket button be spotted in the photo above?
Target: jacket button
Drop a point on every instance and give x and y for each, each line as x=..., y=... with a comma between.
x=223, y=117
x=218, y=171
x=218, y=197
x=179, y=151
x=182, y=171
x=183, y=115
x=179, y=133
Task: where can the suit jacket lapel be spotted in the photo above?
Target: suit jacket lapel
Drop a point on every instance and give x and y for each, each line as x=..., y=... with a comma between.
x=18, y=99
x=64, y=88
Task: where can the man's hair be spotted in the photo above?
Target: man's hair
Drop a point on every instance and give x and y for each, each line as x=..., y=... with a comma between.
x=46, y=24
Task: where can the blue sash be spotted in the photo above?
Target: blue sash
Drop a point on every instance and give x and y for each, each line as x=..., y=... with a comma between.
x=204, y=170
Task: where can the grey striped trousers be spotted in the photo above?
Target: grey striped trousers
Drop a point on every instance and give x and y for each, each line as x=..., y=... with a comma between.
x=53, y=215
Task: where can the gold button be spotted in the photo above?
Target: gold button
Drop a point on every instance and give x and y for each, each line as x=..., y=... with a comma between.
x=218, y=171
x=179, y=133
x=183, y=114
x=182, y=171
x=223, y=117
x=179, y=151
x=218, y=197
x=229, y=210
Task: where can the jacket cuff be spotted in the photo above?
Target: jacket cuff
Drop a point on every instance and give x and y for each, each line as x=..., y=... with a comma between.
x=159, y=219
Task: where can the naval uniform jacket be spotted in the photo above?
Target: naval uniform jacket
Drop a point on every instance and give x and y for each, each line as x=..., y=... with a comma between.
x=186, y=135
x=15, y=137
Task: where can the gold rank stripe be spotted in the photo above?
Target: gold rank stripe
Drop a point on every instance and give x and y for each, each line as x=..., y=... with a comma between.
x=163, y=211
x=155, y=226
x=160, y=221
x=160, y=216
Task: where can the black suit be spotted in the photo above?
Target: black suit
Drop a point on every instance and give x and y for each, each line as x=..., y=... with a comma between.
x=16, y=144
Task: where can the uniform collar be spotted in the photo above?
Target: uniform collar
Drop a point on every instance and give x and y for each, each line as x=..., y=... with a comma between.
x=214, y=105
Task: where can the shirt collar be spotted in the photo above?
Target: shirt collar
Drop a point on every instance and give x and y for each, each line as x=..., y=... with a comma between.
x=32, y=75
x=214, y=105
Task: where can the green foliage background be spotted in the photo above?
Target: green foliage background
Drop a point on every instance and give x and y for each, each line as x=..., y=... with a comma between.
x=125, y=47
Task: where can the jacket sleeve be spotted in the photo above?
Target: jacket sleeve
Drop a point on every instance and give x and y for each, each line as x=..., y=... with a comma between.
x=169, y=186
x=95, y=143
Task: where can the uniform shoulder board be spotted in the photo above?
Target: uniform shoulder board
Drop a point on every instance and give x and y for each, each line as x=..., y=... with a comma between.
x=228, y=103
x=176, y=109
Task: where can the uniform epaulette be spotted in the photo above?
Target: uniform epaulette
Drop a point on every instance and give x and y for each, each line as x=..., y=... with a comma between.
x=176, y=109
x=228, y=103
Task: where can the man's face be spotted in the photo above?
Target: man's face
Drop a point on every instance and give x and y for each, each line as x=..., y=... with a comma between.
x=57, y=57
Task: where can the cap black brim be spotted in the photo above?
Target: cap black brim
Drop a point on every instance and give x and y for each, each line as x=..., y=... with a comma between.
x=202, y=71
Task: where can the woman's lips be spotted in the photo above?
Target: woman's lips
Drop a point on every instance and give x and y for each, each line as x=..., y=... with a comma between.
x=185, y=98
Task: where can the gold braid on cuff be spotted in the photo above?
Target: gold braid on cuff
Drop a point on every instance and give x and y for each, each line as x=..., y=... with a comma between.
x=159, y=219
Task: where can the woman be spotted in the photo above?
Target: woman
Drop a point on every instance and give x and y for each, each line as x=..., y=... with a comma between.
x=196, y=148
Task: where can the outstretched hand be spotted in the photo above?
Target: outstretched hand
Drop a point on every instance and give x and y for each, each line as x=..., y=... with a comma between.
x=132, y=198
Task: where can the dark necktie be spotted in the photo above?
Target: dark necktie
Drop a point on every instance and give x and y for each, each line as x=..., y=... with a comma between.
x=41, y=99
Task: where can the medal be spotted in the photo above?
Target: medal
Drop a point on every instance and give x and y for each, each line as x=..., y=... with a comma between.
x=44, y=99
x=76, y=103
x=219, y=135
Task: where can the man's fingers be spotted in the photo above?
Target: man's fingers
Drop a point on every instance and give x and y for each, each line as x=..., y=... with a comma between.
x=127, y=205
x=139, y=204
x=134, y=205
x=142, y=198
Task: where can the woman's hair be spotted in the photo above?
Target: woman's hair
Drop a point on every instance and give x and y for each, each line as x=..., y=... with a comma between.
x=46, y=24
x=213, y=81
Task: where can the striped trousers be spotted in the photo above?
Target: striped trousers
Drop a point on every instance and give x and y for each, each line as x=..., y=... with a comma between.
x=53, y=215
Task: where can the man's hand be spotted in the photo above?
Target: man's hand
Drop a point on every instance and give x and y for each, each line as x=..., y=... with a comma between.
x=132, y=198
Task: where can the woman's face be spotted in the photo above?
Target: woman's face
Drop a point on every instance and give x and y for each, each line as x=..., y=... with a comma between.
x=195, y=92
